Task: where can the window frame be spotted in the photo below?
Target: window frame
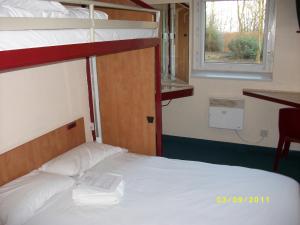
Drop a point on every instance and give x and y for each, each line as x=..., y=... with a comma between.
x=261, y=71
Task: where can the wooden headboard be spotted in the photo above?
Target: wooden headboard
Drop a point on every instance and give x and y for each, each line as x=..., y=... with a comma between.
x=31, y=155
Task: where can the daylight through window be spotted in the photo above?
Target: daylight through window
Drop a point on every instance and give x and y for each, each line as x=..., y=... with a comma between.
x=234, y=35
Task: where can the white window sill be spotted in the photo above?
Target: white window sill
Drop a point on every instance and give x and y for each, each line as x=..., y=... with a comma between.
x=253, y=76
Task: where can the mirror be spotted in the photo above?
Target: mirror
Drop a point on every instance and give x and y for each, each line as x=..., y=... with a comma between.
x=174, y=32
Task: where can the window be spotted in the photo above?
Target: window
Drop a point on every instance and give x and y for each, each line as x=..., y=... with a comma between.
x=234, y=38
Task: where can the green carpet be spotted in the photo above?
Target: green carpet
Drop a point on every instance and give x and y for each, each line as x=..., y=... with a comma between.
x=230, y=154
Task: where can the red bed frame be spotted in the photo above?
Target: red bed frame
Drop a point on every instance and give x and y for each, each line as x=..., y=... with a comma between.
x=17, y=59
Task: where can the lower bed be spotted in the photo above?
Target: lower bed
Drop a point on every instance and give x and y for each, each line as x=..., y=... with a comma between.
x=160, y=191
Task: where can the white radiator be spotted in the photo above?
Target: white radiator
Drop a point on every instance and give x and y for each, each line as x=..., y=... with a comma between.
x=226, y=113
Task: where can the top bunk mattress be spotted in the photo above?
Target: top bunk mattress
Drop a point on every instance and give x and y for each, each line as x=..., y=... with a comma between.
x=11, y=40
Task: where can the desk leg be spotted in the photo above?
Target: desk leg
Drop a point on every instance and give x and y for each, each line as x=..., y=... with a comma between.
x=278, y=153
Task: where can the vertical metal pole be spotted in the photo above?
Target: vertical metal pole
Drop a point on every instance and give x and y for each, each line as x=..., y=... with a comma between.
x=165, y=38
x=158, y=107
x=172, y=41
x=91, y=98
x=95, y=87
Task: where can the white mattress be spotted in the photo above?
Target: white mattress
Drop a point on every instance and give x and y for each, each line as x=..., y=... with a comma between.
x=10, y=40
x=161, y=191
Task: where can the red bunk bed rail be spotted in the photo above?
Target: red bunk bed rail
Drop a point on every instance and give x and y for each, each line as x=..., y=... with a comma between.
x=142, y=4
x=13, y=59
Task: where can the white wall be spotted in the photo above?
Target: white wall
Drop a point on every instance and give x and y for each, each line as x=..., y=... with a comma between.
x=188, y=117
x=37, y=100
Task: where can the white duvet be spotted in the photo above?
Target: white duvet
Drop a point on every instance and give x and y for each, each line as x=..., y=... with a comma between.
x=160, y=191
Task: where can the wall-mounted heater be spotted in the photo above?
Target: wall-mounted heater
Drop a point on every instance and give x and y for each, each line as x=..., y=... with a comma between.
x=226, y=113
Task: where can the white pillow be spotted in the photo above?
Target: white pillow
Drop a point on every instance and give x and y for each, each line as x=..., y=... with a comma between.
x=35, y=5
x=79, y=159
x=21, y=198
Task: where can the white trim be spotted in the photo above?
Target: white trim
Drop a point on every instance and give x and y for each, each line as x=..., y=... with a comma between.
x=232, y=75
x=225, y=68
x=20, y=23
x=92, y=29
x=119, y=24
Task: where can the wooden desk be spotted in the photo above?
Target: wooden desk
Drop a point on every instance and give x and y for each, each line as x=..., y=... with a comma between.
x=285, y=98
x=175, y=89
x=281, y=97
x=176, y=92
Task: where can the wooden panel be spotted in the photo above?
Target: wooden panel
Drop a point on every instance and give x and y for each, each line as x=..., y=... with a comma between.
x=129, y=2
x=182, y=43
x=115, y=14
x=33, y=154
x=127, y=97
x=281, y=97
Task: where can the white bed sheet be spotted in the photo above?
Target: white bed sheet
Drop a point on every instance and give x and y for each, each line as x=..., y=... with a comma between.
x=161, y=191
x=10, y=40
x=68, y=12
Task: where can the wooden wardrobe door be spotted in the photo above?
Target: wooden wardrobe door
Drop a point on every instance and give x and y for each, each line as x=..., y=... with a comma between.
x=182, y=44
x=127, y=97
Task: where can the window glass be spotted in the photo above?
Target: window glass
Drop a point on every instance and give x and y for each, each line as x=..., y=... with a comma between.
x=234, y=31
x=234, y=38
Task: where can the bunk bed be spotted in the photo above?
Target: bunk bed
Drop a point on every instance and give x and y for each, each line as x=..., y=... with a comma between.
x=82, y=29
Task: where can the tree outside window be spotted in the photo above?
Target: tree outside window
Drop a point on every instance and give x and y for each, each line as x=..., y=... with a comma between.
x=234, y=31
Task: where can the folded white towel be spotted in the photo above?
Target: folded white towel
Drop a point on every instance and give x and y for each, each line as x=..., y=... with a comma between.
x=105, y=189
